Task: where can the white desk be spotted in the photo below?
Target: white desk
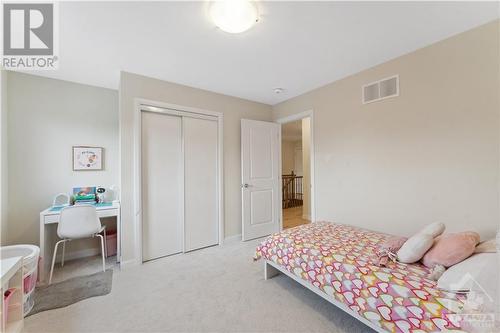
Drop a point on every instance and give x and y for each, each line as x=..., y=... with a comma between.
x=50, y=218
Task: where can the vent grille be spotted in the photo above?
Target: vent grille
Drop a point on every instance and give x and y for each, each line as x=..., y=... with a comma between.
x=382, y=89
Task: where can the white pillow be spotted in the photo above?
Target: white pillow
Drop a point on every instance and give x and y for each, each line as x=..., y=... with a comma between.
x=435, y=229
x=414, y=248
x=480, y=268
x=485, y=295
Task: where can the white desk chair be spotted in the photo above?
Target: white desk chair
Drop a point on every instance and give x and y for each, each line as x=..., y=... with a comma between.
x=78, y=222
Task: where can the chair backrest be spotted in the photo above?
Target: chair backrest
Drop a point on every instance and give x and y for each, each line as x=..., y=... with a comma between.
x=78, y=222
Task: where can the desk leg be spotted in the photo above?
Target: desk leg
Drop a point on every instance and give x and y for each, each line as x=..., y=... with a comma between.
x=118, y=236
x=41, y=268
x=47, y=232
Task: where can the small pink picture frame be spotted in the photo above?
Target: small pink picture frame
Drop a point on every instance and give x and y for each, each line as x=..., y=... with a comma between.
x=87, y=158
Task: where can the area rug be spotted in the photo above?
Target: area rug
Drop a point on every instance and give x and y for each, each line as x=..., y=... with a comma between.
x=59, y=295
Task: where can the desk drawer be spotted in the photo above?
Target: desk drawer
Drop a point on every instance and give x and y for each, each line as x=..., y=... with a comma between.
x=51, y=219
x=48, y=219
x=107, y=212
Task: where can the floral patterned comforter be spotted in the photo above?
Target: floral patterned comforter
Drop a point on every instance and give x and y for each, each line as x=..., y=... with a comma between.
x=338, y=259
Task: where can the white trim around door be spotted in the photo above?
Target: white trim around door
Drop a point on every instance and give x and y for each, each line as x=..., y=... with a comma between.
x=298, y=116
x=183, y=111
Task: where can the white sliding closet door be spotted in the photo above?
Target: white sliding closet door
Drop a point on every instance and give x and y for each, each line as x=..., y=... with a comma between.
x=200, y=183
x=162, y=184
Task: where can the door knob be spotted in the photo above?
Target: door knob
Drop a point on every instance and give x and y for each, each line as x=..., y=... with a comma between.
x=245, y=185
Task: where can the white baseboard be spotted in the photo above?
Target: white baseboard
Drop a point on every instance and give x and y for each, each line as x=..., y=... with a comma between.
x=134, y=262
x=129, y=263
x=234, y=238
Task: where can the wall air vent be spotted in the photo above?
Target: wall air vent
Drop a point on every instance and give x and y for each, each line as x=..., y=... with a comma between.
x=379, y=90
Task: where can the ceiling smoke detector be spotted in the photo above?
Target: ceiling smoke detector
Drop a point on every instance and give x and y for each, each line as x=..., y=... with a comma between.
x=278, y=91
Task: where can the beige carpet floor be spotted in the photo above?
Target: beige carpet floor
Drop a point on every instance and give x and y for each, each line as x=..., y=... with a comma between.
x=218, y=289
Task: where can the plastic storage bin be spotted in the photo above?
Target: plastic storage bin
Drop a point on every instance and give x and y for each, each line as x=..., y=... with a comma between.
x=7, y=296
x=30, y=254
x=111, y=243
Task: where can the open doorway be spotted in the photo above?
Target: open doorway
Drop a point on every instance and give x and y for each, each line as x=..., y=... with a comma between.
x=296, y=172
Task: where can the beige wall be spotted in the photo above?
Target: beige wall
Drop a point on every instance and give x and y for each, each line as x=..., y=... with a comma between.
x=288, y=156
x=234, y=109
x=46, y=118
x=3, y=159
x=431, y=154
x=306, y=167
x=395, y=165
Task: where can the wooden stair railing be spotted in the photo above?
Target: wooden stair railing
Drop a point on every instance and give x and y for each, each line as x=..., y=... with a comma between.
x=291, y=191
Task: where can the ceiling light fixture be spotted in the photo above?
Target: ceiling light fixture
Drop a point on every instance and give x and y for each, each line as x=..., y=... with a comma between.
x=234, y=16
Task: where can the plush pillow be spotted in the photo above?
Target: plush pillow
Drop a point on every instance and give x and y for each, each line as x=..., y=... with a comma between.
x=392, y=244
x=435, y=229
x=414, y=248
x=481, y=268
x=486, y=247
x=451, y=249
x=388, y=249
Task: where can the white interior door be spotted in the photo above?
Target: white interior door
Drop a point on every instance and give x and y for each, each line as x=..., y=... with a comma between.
x=200, y=184
x=260, y=149
x=162, y=185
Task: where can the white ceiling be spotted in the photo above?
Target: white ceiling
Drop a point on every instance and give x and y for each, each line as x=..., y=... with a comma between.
x=296, y=45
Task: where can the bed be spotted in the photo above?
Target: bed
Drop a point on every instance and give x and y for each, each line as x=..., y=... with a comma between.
x=337, y=262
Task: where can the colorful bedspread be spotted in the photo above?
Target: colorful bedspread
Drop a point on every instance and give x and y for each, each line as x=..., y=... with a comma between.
x=338, y=259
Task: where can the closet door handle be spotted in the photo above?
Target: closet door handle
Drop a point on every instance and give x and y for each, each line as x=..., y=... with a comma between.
x=246, y=185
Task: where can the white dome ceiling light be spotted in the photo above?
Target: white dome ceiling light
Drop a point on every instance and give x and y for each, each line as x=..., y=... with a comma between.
x=234, y=16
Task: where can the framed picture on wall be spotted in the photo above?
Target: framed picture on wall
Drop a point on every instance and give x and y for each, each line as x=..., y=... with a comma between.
x=87, y=158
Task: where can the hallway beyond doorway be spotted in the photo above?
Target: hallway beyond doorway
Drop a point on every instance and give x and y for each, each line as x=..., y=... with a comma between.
x=296, y=171
x=292, y=217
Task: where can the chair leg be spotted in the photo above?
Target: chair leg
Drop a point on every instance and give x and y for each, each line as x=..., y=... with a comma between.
x=63, y=252
x=105, y=245
x=54, y=259
x=102, y=252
